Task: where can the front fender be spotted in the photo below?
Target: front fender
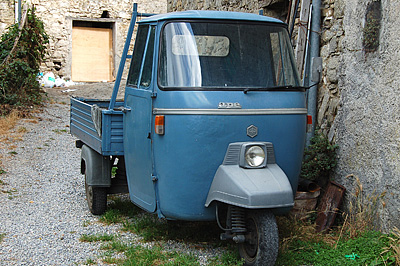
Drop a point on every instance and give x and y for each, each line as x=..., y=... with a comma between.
x=267, y=187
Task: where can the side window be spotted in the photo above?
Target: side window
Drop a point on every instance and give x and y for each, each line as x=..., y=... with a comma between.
x=138, y=52
x=145, y=79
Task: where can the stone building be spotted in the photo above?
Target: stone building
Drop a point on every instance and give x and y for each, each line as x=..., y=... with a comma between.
x=86, y=37
x=358, y=104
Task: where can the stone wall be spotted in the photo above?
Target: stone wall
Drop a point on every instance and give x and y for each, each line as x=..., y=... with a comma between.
x=58, y=16
x=7, y=16
x=366, y=127
x=272, y=8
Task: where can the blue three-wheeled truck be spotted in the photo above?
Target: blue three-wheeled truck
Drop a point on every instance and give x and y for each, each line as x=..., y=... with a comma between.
x=212, y=126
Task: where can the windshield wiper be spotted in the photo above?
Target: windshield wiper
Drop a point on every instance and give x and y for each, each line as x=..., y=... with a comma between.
x=278, y=88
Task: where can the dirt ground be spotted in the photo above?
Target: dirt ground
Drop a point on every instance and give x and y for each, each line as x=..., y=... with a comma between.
x=100, y=90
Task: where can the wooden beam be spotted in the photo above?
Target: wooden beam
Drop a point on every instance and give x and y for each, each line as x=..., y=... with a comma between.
x=302, y=34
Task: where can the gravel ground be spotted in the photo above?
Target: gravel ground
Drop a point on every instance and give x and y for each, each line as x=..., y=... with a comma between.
x=43, y=210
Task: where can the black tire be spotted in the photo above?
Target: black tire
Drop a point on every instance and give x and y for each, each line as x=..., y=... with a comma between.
x=96, y=198
x=262, y=241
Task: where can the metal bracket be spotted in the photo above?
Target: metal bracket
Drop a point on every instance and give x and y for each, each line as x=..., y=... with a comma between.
x=125, y=109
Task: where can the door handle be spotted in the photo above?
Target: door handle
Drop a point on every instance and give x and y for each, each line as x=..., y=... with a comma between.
x=125, y=109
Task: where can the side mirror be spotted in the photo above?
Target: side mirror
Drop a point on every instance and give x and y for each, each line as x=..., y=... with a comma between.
x=316, y=69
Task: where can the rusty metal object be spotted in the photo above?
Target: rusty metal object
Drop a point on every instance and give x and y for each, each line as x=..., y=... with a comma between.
x=304, y=204
x=329, y=206
x=307, y=185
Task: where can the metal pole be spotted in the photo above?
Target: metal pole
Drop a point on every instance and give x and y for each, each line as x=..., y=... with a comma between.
x=19, y=11
x=314, y=52
x=123, y=58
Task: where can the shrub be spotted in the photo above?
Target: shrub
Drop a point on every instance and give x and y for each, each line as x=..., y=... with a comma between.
x=319, y=158
x=19, y=64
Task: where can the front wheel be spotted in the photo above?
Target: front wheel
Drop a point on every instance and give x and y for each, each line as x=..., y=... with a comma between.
x=262, y=241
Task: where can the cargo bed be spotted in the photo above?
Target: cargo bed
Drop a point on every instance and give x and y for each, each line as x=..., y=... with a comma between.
x=96, y=126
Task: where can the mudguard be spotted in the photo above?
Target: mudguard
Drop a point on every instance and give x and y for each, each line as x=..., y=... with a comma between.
x=98, y=168
x=267, y=187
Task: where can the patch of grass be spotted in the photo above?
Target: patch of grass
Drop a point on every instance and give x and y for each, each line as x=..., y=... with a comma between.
x=22, y=130
x=2, y=236
x=10, y=191
x=152, y=228
x=363, y=250
x=144, y=256
x=90, y=262
x=228, y=258
x=86, y=223
x=96, y=238
x=8, y=122
x=353, y=242
x=392, y=250
x=118, y=211
x=116, y=246
x=60, y=131
x=111, y=260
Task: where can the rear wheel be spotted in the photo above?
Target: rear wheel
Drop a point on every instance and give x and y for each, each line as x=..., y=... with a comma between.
x=96, y=198
x=261, y=245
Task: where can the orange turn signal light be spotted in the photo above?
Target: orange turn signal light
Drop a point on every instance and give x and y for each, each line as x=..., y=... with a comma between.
x=309, y=123
x=159, y=125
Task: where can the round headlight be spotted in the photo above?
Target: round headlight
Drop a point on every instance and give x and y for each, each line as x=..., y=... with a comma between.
x=255, y=156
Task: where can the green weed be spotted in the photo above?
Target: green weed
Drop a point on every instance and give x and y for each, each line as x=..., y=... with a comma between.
x=59, y=131
x=86, y=223
x=96, y=238
x=363, y=250
x=143, y=256
x=229, y=258
x=115, y=246
x=90, y=262
x=2, y=236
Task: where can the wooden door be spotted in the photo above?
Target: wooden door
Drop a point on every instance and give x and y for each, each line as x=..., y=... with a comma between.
x=92, y=54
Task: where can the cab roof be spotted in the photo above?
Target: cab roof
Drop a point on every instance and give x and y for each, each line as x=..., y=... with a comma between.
x=211, y=15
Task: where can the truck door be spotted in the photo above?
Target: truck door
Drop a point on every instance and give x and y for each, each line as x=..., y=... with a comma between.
x=137, y=121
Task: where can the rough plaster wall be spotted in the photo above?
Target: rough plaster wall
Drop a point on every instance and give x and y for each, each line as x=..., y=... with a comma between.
x=57, y=16
x=367, y=127
x=6, y=14
x=250, y=6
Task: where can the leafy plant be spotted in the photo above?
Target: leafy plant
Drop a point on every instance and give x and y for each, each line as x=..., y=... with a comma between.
x=363, y=250
x=319, y=158
x=22, y=49
x=372, y=26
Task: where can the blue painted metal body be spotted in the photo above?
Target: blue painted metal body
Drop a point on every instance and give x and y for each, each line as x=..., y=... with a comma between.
x=81, y=125
x=171, y=174
x=188, y=155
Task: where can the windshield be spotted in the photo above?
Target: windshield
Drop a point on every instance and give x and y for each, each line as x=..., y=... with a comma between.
x=225, y=56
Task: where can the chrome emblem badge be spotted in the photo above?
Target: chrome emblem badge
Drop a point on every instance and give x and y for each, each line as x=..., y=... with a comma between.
x=223, y=105
x=252, y=131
